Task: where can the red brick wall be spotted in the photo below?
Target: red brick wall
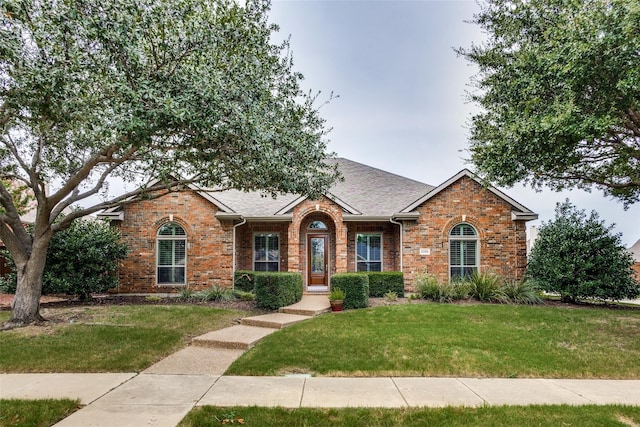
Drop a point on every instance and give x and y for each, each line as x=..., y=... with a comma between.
x=390, y=243
x=502, y=240
x=244, y=242
x=209, y=242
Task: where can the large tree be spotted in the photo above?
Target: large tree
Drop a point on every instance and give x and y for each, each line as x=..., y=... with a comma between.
x=559, y=87
x=161, y=93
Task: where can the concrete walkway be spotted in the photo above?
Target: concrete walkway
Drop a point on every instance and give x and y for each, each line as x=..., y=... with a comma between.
x=164, y=393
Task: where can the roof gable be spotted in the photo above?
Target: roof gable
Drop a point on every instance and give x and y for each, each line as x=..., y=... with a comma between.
x=521, y=211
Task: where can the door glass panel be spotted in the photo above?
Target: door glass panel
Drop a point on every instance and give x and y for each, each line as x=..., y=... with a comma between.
x=317, y=255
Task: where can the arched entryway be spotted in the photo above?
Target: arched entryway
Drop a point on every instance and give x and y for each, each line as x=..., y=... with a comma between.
x=318, y=238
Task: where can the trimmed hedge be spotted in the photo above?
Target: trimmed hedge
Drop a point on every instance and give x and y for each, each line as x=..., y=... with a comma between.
x=275, y=290
x=244, y=280
x=355, y=286
x=386, y=281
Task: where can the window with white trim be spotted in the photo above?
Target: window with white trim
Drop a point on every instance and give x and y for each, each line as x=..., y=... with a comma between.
x=369, y=252
x=172, y=254
x=266, y=252
x=463, y=251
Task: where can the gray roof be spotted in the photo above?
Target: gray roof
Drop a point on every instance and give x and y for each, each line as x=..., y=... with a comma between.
x=365, y=191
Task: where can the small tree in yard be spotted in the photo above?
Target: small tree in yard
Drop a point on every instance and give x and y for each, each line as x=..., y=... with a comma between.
x=577, y=256
x=81, y=259
x=162, y=94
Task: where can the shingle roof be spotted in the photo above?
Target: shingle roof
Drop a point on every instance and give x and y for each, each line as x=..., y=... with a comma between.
x=365, y=190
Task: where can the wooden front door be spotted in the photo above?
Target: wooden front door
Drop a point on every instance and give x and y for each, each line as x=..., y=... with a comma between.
x=318, y=259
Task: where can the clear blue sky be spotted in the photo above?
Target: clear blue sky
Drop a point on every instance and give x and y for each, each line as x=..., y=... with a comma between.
x=401, y=88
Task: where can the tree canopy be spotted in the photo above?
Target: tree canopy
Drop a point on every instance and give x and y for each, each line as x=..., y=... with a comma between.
x=559, y=87
x=159, y=93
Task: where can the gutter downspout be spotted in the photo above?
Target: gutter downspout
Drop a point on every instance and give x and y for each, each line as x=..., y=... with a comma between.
x=233, y=255
x=401, y=245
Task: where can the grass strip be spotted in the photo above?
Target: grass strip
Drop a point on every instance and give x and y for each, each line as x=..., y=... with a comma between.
x=35, y=413
x=490, y=416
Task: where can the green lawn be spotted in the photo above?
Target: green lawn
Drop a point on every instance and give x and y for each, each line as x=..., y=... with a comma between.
x=35, y=413
x=455, y=340
x=107, y=338
x=552, y=416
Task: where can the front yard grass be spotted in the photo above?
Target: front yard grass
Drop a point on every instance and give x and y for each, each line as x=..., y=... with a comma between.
x=35, y=413
x=552, y=415
x=455, y=340
x=125, y=338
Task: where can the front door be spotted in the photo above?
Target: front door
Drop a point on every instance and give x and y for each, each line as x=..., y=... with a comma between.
x=318, y=261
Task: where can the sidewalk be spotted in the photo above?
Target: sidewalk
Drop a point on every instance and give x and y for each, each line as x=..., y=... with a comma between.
x=164, y=393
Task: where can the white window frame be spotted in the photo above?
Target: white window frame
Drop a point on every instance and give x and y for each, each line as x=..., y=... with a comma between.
x=381, y=235
x=173, y=255
x=475, y=238
x=253, y=258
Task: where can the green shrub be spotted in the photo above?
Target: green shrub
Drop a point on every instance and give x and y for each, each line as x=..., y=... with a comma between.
x=355, y=287
x=579, y=257
x=336, y=294
x=215, y=293
x=244, y=296
x=460, y=290
x=522, y=292
x=80, y=260
x=427, y=287
x=390, y=296
x=487, y=287
x=386, y=281
x=244, y=280
x=186, y=294
x=275, y=290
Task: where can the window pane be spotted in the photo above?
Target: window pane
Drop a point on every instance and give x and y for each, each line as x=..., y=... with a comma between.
x=171, y=275
x=165, y=252
x=469, y=252
x=272, y=244
x=179, y=252
x=260, y=248
x=455, y=252
x=171, y=229
x=375, y=248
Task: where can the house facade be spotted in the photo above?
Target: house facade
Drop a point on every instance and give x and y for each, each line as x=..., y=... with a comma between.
x=371, y=221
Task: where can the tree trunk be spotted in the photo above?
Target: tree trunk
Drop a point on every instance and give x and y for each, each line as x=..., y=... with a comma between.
x=26, y=303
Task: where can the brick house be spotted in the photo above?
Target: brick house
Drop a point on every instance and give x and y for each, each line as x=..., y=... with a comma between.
x=371, y=221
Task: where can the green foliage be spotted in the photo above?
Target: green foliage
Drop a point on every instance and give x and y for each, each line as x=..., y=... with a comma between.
x=578, y=256
x=275, y=290
x=186, y=294
x=355, y=287
x=428, y=287
x=158, y=94
x=336, y=294
x=559, y=86
x=488, y=287
x=381, y=282
x=522, y=292
x=215, y=293
x=244, y=280
x=81, y=259
x=244, y=296
x=390, y=296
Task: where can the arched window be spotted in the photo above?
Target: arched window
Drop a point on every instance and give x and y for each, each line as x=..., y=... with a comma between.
x=172, y=254
x=463, y=251
x=317, y=225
